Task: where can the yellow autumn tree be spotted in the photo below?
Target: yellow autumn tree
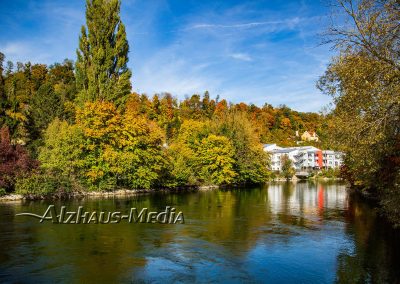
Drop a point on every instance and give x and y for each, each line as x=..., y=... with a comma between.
x=216, y=154
x=113, y=148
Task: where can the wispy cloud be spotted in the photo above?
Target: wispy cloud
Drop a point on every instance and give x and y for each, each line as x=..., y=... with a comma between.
x=241, y=56
x=163, y=74
x=288, y=22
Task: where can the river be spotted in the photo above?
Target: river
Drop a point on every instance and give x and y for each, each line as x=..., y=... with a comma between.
x=303, y=232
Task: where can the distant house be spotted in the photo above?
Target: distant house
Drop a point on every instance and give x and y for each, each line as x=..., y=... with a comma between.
x=18, y=142
x=304, y=158
x=310, y=136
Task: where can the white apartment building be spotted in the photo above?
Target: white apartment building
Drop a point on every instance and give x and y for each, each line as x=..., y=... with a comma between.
x=332, y=159
x=304, y=158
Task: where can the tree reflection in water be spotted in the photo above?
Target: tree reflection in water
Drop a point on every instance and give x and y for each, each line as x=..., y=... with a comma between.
x=282, y=232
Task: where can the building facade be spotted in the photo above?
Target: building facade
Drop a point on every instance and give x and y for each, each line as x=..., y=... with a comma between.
x=306, y=158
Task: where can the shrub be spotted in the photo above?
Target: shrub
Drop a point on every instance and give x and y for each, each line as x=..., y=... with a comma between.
x=14, y=161
x=43, y=185
x=2, y=192
x=330, y=173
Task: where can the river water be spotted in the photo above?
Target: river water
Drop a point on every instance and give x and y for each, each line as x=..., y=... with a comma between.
x=302, y=232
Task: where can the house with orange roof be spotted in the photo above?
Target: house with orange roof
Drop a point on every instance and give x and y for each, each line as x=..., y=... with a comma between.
x=310, y=136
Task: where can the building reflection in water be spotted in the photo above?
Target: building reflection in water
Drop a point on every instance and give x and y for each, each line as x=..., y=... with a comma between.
x=306, y=199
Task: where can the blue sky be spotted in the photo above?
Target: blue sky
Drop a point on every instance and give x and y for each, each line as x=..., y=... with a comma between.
x=250, y=51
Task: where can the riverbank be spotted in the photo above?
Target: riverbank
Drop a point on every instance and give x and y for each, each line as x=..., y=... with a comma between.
x=103, y=194
x=133, y=192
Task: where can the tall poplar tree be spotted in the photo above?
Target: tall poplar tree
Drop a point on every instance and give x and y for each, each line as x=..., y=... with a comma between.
x=3, y=96
x=101, y=67
x=2, y=90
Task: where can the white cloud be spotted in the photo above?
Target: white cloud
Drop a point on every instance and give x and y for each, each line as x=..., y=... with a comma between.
x=24, y=51
x=241, y=56
x=15, y=49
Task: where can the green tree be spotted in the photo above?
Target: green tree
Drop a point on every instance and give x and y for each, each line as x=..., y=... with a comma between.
x=364, y=83
x=45, y=106
x=288, y=170
x=63, y=150
x=142, y=159
x=101, y=67
x=3, y=96
x=251, y=162
x=183, y=153
x=62, y=78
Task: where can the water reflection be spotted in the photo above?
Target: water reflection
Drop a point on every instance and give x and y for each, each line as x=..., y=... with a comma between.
x=375, y=256
x=283, y=232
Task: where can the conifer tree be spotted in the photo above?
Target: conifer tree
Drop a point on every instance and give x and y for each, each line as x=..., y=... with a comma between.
x=102, y=56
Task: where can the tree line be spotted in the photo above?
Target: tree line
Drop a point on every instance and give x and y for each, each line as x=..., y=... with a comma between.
x=144, y=142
